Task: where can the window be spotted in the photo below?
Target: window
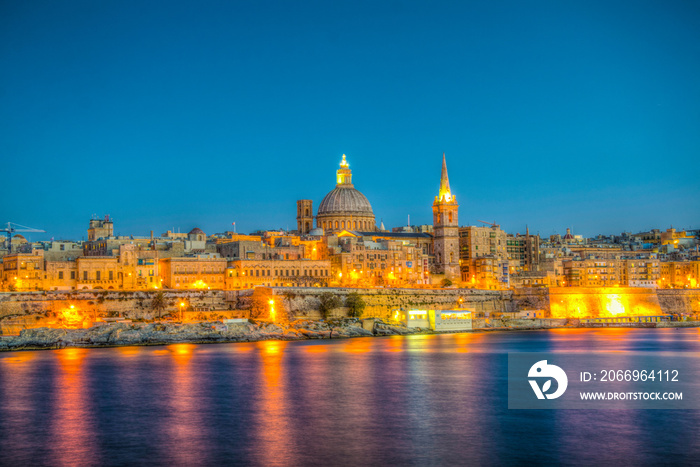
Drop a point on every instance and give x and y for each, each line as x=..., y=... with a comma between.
x=85, y=275
x=97, y=275
x=72, y=275
x=60, y=274
x=111, y=275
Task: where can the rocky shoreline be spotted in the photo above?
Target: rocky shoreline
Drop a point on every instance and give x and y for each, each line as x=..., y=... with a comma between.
x=163, y=333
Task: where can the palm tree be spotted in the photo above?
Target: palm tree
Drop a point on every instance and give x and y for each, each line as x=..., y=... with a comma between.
x=158, y=303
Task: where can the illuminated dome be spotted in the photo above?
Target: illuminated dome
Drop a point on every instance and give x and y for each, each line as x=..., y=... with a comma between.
x=345, y=200
x=345, y=208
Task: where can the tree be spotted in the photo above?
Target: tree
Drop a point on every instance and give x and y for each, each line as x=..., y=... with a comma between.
x=356, y=304
x=327, y=302
x=446, y=282
x=158, y=303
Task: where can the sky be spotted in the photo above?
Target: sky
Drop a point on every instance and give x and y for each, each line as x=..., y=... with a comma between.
x=580, y=114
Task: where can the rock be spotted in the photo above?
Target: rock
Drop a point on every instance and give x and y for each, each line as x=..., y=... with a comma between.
x=116, y=334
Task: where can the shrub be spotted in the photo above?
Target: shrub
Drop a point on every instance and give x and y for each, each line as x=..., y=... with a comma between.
x=327, y=302
x=356, y=304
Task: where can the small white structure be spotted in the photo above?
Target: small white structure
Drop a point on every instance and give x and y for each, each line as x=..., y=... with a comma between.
x=229, y=321
x=450, y=320
x=417, y=319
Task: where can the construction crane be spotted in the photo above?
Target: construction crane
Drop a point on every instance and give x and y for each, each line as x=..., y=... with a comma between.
x=492, y=224
x=12, y=228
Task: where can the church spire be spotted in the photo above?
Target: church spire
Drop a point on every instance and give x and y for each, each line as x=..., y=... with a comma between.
x=444, y=195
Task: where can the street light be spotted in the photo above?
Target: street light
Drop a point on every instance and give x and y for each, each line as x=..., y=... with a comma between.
x=182, y=308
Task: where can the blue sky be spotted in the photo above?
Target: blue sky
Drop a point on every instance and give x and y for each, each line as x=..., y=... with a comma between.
x=181, y=114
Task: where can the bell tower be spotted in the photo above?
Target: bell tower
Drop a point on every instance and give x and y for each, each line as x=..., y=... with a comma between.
x=305, y=216
x=446, y=229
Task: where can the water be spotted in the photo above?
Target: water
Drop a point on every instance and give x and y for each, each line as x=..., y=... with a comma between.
x=415, y=400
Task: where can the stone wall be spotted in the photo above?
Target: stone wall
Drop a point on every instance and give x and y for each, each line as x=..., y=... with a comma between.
x=133, y=305
x=32, y=309
x=301, y=301
x=679, y=300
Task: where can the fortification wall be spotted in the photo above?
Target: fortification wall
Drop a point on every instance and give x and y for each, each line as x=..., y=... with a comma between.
x=300, y=301
x=33, y=309
x=134, y=305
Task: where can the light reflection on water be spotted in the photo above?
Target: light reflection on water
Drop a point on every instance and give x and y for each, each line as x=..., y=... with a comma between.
x=438, y=399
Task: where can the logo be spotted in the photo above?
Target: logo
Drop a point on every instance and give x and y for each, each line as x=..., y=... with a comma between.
x=542, y=370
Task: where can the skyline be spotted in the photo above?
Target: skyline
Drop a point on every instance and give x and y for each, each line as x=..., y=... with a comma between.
x=166, y=115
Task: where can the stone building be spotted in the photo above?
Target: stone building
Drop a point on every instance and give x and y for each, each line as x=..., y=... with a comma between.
x=204, y=271
x=100, y=272
x=486, y=272
x=597, y=272
x=248, y=273
x=524, y=250
x=345, y=207
x=61, y=275
x=446, y=229
x=305, y=216
x=100, y=228
x=680, y=274
x=364, y=261
x=22, y=271
x=476, y=242
x=260, y=250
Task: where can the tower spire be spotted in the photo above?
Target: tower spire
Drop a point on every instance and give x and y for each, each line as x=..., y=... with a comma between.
x=444, y=194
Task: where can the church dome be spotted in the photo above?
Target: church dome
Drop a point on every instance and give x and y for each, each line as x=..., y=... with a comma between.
x=345, y=207
x=345, y=200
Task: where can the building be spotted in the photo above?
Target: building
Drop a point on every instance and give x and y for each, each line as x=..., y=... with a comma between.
x=679, y=274
x=597, y=272
x=360, y=260
x=451, y=320
x=486, y=272
x=525, y=250
x=259, y=250
x=305, y=216
x=100, y=228
x=344, y=207
x=476, y=242
x=23, y=272
x=446, y=229
x=248, y=273
x=205, y=271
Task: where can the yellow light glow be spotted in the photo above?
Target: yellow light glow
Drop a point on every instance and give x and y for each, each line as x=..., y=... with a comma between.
x=71, y=318
x=273, y=313
x=610, y=303
x=200, y=284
